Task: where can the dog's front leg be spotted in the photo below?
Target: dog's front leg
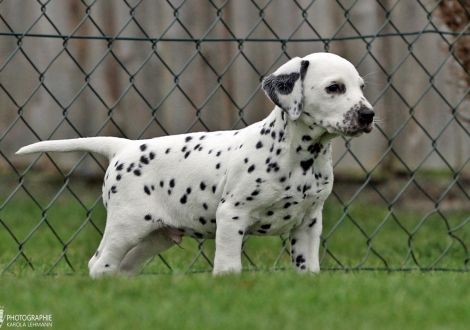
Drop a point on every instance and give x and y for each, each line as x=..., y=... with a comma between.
x=228, y=242
x=305, y=243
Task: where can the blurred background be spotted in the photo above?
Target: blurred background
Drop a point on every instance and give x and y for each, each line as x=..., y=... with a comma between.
x=142, y=69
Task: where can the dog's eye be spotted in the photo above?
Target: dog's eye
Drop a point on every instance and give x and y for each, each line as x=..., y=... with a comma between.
x=333, y=88
x=362, y=87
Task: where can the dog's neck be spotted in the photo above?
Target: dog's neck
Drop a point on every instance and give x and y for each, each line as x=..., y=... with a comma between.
x=304, y=141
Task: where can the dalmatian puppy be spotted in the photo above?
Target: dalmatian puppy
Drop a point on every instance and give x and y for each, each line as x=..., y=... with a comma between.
x=269, y=178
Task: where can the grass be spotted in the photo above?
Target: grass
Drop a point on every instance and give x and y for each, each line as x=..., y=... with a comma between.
x=252, y=300
x=367, y=236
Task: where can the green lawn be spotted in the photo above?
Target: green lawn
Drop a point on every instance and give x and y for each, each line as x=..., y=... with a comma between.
x=252, y=300
x=188, y=297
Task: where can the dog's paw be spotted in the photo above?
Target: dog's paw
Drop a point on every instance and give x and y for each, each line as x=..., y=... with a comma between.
x=227, y=270
x=99, y=270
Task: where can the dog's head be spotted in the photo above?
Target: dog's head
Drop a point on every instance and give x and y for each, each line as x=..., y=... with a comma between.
x=322, y=89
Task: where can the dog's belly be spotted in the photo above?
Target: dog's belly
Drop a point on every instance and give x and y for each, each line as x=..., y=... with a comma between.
x=274, y=220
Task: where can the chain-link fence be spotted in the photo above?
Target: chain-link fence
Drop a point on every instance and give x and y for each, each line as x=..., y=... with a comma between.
x=141, y=69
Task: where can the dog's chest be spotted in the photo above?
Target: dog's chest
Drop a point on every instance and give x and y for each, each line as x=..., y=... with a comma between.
x=294, y=203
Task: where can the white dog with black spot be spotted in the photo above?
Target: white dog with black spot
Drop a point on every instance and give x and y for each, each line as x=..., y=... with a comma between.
x=269, y=178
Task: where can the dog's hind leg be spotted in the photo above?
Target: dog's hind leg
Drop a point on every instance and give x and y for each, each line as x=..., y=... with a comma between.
x=154, y=243
x=97, y=255
x=120, y=236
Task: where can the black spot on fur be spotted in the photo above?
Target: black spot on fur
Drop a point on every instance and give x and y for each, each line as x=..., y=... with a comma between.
x=118, y=177
x=202, y=186
x=184, y=199
x=287, y=217
x=303, y=68
x=188, y=138
x=168, y=151
x=217, y=166
x=259, y=145
x=152, y=155
x=315, y=149
x=162, y=183
x=148, y=217
x=144, y=160
x=202, y=220
x=147, y=190
x=235, y=218
x=251, y=168
x=137, y=172
x=113, y=189
x=241, y=232
x=172, y=183
x=306, y=164
x=186, y=155
x=269, y=213
x=204, y=205
x=267, y=226
x=143, y=147
x=120, y=167
x=314, y=221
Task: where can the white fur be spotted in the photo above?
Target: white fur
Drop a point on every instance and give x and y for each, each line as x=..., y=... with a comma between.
x=269, y=178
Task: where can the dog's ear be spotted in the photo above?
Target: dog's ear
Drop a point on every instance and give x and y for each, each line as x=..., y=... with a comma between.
x=285, y=86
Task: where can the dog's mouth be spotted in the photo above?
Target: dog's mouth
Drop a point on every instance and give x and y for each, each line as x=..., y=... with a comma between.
x=368, y=128
x=354, y=123
x=350, y=130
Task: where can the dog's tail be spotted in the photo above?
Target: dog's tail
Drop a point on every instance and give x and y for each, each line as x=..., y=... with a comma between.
x=106, y=146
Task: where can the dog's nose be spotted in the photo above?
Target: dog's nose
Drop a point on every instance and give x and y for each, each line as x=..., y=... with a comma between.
x=365, y=115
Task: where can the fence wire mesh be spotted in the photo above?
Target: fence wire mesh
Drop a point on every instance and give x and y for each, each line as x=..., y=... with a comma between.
x=141, y=69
